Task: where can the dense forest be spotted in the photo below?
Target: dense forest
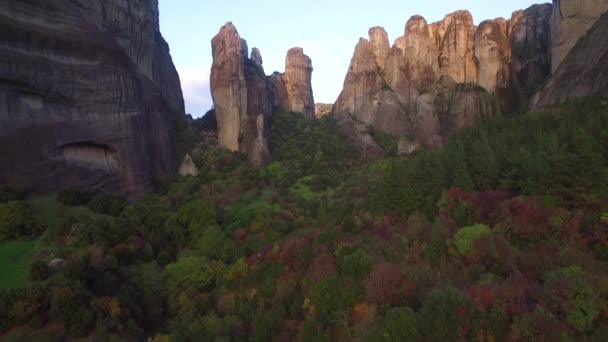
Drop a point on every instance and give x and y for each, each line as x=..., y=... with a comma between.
x=501, y=235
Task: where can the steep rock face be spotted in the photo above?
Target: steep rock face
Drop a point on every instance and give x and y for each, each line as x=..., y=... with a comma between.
x=571, y=20
x=420, y=55
x=89, y=95
x=241, y=96
x=456, y=54
x=530, y=41
x=493, y=60
x=492, y=55
x=378, y=38
x=363, y=81
x=584, y=70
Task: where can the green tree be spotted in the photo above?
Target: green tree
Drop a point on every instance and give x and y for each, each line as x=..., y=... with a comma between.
x=191, y=220
x=190, y=272
x=575, y=296
x=444, y=314
x=214, y=244
x=16, y=220
x=353, y=263
x=464, y=239
x=402, y=324
x=483, y=168
x=456, y=160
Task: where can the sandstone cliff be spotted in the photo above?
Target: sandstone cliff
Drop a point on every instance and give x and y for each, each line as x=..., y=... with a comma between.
x=89, y=95
x=583, y=71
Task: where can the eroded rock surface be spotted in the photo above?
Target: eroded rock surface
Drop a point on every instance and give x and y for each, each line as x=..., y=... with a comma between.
x=89, y=96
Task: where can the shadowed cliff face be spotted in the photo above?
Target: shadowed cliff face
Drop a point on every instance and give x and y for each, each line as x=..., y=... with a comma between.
x=584, y=71
x=89, y=95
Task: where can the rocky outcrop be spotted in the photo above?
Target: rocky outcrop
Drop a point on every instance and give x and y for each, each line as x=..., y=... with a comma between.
x=322, y=109
x=241, y=97
x=89, y=96
x=584, y=71
x=571, y=20
x=188, y=168
x=293, y=89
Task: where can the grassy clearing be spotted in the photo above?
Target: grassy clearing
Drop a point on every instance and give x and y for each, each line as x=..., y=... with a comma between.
x=15, y=258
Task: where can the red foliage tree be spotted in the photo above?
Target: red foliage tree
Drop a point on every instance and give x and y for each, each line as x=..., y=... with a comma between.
x=386, y=284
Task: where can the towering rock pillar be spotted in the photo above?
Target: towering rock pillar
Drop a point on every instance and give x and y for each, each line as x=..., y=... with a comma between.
x=298, y=81
x=241, y=96
x=293, y=89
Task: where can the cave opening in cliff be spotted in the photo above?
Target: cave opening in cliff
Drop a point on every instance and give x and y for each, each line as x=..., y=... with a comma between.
x=91, y=155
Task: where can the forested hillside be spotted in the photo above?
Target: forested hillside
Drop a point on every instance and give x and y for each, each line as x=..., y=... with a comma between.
x=501, y=235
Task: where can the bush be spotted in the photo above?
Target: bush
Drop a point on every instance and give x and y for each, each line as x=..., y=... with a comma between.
x=39, y=270
x=16, y=219
x=11, y=193
x=75, y=197
x=464, y=239
x=107, y=204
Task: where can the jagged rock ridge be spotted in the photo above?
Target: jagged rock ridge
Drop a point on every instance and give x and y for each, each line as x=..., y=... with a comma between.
x=441, y=77
x=89, y=95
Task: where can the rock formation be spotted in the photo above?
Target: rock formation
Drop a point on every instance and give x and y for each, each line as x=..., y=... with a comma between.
x=244, y=97
x=422, y=90
x=89, y=96
x=584, y=70
x=188, y=168
x=571, y=20
x=294, y=88
x=439, y=78
x=322, y=109
x=240, y=96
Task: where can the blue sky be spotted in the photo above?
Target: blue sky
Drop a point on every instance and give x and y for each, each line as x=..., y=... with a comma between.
x=327, y=30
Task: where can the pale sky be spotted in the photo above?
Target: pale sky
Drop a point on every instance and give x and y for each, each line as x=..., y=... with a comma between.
x=327, y=30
